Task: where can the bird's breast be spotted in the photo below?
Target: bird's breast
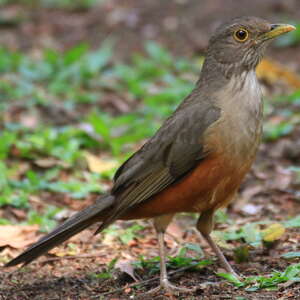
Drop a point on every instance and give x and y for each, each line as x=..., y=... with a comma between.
x=237, y=133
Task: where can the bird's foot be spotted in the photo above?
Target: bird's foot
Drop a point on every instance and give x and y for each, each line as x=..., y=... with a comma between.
x=236, y=275
x=230, y=270
x=168, y=287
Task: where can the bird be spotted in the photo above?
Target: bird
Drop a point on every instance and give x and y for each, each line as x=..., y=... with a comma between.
x=198, y=158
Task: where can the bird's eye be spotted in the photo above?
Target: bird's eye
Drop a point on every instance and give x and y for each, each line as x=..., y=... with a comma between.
x=241, y=35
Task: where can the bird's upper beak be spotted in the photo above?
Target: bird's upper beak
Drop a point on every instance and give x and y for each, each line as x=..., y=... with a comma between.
x=276, y=30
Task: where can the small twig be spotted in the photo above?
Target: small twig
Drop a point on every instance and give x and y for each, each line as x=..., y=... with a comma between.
x=80, y=256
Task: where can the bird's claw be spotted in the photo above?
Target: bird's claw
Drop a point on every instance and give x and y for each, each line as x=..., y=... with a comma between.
x=168, y=287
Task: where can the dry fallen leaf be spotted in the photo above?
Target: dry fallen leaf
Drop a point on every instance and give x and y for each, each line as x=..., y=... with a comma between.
x=49, y=162
x=272, y=72
x=175, y=231
x=282, y=179
x=17, y=236
x=251, y=209
x=68, y=252
x=273, y=232
x=97, y=164
x=126, y=267
x=29, y=120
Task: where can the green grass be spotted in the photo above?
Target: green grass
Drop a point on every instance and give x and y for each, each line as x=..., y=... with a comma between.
x=256, y=234
x=284, y=116
x=190, y=256
x=125, y=235
x=269, y=282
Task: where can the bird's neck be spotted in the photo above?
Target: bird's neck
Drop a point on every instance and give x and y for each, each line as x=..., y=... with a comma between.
x=215, y=75
x=232, y=89
x=238, y=97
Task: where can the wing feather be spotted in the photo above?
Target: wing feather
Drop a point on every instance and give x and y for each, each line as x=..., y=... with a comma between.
x=168, y=156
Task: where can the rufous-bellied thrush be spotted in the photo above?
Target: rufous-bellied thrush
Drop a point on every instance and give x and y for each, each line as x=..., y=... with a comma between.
x=197, y=159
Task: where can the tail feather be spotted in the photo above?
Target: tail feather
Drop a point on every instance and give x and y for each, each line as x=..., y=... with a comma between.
x=70, y=227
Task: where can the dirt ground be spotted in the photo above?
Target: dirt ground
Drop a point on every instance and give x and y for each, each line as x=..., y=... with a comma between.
x=183, y=26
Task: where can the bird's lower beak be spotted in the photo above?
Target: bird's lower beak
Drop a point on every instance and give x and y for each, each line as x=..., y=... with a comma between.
x=276, y=30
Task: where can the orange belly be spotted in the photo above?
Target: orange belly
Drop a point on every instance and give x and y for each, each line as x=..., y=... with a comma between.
x=210, y=185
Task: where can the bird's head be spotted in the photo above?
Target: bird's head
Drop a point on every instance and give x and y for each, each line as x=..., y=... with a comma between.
x=240, y=43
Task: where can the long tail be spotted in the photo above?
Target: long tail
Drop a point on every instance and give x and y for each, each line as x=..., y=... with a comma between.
x=70, y=227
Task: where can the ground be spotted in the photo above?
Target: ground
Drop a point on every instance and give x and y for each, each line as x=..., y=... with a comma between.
x=96, y=267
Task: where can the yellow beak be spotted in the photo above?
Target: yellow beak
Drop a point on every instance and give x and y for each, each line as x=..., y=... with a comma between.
x=276, y=30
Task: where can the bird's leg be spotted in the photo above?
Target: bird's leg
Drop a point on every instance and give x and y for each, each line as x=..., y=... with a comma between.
x=160, y=224
x=205, y=225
